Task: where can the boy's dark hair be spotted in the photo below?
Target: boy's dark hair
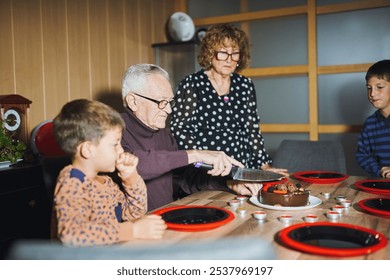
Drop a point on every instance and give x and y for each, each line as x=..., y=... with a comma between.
x=84, y=120
x=380, y=69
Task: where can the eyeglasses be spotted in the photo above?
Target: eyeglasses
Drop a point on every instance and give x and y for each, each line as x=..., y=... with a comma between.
x=161, y=103
x=220, y=55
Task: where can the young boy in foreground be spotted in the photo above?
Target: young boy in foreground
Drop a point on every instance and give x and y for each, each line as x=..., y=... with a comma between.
x=90, y=209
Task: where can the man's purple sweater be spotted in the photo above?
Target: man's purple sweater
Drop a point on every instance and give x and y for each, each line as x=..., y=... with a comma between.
x=162, y=166
x=158, y=156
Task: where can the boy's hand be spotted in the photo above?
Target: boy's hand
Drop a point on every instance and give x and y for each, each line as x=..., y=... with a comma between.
x=149, y=227
x=126, y=164
x=385, y=171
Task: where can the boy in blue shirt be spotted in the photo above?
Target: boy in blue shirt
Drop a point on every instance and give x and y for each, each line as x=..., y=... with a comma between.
x=373, y=151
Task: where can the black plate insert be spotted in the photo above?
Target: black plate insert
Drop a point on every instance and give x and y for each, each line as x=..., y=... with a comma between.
x=333, y=237
x=323, y=175
x=189, y=216
x=380, y=204
x=377, y=185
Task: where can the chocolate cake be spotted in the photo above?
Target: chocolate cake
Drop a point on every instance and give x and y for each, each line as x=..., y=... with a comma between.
x=284, y=194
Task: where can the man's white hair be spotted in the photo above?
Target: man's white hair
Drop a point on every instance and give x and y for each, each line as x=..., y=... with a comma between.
x=134, y=79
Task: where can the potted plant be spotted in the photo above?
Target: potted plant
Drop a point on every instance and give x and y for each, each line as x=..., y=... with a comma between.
x=11, y=150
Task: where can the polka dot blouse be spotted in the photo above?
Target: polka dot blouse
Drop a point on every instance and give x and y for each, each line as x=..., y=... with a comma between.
x=203, y=120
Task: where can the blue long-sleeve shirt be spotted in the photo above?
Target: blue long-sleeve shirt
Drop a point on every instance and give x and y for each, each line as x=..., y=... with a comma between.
x=373, y=151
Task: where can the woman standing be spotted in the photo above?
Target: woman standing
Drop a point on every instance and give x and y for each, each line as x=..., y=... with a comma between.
x=216, y=107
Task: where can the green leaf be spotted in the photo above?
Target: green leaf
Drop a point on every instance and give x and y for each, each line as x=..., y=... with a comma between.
x=10, y=149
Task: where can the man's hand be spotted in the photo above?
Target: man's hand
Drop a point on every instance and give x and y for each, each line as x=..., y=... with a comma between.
x=221, y=162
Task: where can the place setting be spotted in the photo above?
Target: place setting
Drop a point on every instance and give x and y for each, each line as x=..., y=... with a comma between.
x=380, y=187
x=332, y=239
x=320, y=177
x=194, y=217
x=376, y=206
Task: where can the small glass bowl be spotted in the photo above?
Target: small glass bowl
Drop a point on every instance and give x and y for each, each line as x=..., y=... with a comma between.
x=286, y=219
x=338, y=208
x=234, y=203
x=259, y=215
x=326, y=195
x=333, y=215
x=341, y=198
x=242, y=211
x=241, y=198
x=311, y=218
x=346, y=203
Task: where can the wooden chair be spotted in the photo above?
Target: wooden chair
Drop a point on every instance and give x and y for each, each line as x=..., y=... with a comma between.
x=46, y=149
x=305, y=155
x=51, y=167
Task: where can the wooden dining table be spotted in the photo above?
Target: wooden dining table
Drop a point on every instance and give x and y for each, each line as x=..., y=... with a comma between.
x=245, y=225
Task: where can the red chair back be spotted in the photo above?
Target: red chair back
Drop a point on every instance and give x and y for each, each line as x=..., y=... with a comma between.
x=43, y=141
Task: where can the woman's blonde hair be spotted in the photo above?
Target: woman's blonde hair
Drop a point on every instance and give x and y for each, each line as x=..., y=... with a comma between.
x=224, y=35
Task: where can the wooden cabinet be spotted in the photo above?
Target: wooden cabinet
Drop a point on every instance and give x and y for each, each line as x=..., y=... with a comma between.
x=24, y=205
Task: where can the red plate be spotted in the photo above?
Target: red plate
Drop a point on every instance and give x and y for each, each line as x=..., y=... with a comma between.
x=195, y=218
x=320, y=177
x=376, y=206
x=374, y=186
x=332, y=239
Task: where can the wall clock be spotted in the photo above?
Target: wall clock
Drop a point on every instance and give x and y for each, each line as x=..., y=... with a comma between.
x=14, y=112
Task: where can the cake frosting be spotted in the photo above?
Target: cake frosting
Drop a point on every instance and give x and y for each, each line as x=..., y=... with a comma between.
x=284, y=194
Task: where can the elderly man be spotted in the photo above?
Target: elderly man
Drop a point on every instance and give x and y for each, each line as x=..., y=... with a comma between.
x=148, y=101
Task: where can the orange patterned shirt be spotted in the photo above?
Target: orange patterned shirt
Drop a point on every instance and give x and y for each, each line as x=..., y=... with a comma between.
x=88, y=211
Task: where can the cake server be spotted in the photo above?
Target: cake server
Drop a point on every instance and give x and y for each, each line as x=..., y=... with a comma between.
x=246, y=174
